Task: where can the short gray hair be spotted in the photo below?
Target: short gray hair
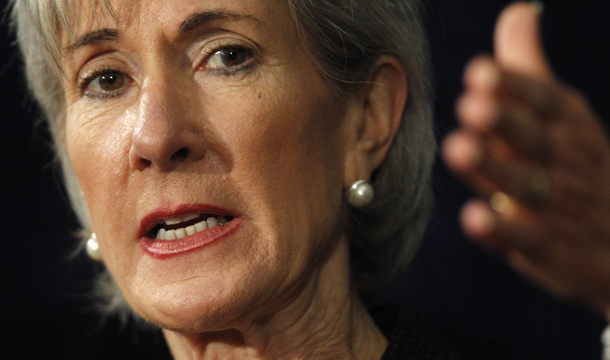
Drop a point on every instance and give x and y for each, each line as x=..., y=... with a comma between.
x=344, y=38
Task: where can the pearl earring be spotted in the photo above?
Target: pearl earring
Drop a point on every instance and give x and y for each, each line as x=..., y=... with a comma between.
x=93, y=248
x=360, y=194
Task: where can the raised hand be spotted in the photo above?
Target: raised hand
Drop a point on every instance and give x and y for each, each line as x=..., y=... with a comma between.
x=540, y=159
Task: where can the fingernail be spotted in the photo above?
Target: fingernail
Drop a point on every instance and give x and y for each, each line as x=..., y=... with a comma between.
x=537, y=5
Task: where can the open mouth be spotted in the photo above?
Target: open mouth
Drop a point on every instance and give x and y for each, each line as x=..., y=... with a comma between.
x=183, y=226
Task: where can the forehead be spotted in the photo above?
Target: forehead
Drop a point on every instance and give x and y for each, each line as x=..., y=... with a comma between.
x=173, y=16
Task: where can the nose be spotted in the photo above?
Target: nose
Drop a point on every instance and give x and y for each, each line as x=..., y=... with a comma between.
x=165, y=132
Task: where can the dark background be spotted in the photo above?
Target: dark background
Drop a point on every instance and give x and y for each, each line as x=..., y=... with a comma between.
x=480, y=305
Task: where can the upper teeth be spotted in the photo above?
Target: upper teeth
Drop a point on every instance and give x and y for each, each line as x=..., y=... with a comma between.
x=178, y=220
x=180, y=233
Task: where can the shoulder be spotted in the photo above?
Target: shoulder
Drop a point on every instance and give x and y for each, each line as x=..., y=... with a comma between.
x=410, y=336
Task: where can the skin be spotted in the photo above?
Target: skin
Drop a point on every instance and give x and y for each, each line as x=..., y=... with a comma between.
x=517, y=118
x=267, y=142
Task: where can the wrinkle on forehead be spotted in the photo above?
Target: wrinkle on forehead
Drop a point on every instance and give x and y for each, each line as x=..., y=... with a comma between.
x=74, y=15
x=76, y=18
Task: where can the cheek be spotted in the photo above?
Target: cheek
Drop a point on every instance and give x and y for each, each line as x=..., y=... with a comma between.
x=288, y=151
x=97, y=142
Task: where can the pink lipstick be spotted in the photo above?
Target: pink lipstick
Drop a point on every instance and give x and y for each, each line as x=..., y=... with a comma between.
x=167, y=233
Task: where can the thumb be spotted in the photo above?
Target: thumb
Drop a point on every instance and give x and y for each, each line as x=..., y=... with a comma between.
x=517, y=41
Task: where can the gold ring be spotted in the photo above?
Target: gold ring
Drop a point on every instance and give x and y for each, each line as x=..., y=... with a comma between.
x=537, y=194
x=502, y=203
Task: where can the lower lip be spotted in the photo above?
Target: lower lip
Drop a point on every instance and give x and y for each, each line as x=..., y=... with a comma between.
x=163, y=249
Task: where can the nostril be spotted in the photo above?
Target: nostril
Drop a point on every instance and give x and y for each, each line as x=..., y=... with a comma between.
x=141, y=163
x=180, y=154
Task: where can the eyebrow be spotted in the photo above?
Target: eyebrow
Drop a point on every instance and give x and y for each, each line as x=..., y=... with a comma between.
x=191, y=22
x=197, y=18
x=93, y=37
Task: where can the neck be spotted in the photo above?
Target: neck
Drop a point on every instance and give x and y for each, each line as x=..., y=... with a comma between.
x=327, y=320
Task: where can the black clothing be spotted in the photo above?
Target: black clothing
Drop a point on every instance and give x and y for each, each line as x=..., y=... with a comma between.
x=409, y=336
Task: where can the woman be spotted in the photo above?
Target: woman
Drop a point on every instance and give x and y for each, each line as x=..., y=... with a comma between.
x=134, y=136
x=211, y=159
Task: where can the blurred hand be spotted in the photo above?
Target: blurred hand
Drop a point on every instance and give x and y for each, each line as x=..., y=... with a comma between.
x=534, y=149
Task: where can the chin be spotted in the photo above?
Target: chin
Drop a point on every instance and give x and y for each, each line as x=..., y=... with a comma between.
x=199, y=293
x=193, y=306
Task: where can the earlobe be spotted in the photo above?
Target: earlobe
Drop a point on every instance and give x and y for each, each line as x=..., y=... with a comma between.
x=383, y=103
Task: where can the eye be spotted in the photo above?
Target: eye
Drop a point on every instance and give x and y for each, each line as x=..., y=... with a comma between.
x=230, y=57
x=104, y=83
x=110, y=81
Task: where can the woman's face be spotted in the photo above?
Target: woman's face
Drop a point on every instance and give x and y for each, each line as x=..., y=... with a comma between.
x=193, y=109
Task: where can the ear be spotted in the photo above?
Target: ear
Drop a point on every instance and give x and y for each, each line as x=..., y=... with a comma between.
x=374, y=118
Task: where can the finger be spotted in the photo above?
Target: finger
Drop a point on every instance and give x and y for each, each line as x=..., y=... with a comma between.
x=561, y=189
x=521, y=230
x=500, y=232
x=546, y=98
x=552, y=269
x=530, y=115
x=517, y=41
x=484, y=76
x=552, y=102
x=517, y=125
x=544, y=257
x=563, y=115
x=485, y=165
x=479, y=223
x=462, y=153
